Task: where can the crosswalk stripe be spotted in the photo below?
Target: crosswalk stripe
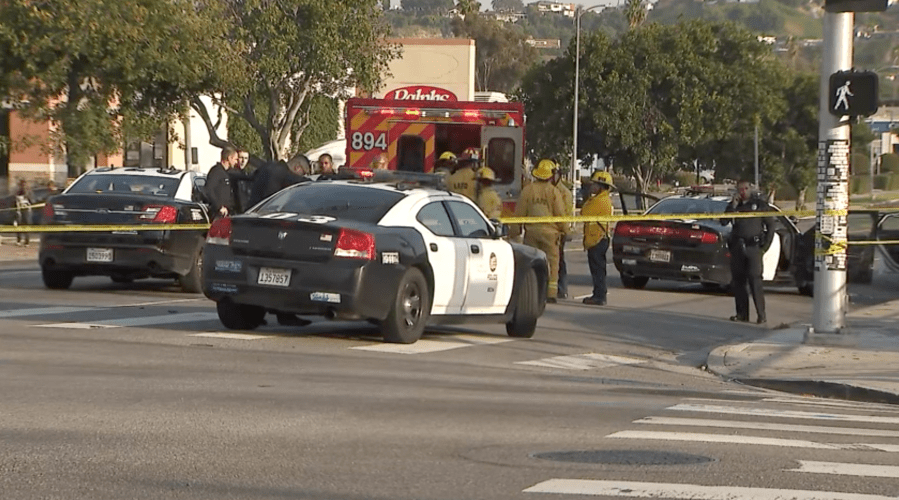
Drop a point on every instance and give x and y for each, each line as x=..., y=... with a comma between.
x=423, y=346
x=752, y=440
x=231, y=336
x=164, y=319
x=633, y=489
x=734, y=424
x=587, y=361
x=762, y=412
x=852, y=405
x=843, y=469
x=40, y=311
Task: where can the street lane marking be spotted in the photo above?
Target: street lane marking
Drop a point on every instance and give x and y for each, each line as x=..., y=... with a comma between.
x=751, y=440
x=424, y=346
x=157, y=302
x=633, y=489
x=852, y=405
x=164, y=319
x=760, y=412
x=843, y=469
x=39, y=311
x=733, y=424
x=232, y=336
x=587, y=361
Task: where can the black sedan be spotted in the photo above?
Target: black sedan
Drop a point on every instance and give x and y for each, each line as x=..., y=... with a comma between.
x=696, y=250
x=132, y=197
x=397, y=254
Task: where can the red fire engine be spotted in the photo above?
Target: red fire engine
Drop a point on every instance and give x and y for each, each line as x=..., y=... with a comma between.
x=412, y=134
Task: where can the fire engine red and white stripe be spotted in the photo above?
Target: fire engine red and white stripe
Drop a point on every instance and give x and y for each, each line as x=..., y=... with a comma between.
x=635, y=489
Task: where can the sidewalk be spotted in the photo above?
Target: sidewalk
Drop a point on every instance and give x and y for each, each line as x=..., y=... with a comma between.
x=859, y=364
x=12, y=254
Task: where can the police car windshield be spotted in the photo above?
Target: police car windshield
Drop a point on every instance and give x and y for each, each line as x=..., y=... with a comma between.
x=343, y=201
x=676, y=206
x=127, y=184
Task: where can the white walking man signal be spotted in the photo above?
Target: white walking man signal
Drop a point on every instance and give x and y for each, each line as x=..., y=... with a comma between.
x=843, y=95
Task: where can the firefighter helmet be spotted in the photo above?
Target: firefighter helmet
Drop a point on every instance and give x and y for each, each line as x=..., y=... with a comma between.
x=470, y=154
x=448, y=155
x=544, y=170
x=602, y=177
x=486, y=174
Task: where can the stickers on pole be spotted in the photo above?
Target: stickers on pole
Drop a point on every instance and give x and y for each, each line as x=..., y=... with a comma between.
x=831, y=236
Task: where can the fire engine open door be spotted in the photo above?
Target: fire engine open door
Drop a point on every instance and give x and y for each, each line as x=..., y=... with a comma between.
x=411, y=147
x=504, y=153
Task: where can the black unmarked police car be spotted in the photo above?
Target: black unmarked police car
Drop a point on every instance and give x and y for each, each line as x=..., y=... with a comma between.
x=137, y=198
x=390, y=251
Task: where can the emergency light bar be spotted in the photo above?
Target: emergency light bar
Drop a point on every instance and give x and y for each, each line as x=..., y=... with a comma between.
x=444, y=113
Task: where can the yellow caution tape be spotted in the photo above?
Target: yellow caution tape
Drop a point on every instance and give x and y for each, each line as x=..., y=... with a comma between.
x=651, y=217
x=11, y=209
x=102, y=228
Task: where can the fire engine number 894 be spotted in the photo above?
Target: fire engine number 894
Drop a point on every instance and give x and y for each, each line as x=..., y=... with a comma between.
x=368, y=141
x=396, y=254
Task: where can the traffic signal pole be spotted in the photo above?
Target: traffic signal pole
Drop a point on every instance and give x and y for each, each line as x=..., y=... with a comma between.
x=830, y=301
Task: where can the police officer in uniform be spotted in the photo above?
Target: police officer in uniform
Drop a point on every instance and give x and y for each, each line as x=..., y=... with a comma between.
x=463, y=180
x=748, y=241
x=488, y=199
x=542, y=199
x=218, y=184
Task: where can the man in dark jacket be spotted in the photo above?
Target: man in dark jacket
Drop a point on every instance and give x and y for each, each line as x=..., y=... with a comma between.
x=749, y=240
x=218, y=186
x=273, y=177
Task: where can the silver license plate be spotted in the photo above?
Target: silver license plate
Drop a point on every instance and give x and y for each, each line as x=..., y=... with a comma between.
x=274, y=276
x=99, y=255
x=660, y=255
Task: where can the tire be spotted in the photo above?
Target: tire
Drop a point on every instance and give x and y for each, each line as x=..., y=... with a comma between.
x=239, y=316
x=807, y=289
x=635, y=282
x=527, y=308
x=192, y=282
x=57, y=280
x=409, y=313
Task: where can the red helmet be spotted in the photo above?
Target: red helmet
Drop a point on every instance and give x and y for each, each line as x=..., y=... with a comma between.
x=470, y=154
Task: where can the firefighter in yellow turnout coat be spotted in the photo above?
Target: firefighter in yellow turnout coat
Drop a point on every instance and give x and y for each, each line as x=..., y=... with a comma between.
x=596, y=234
x=464, y=179
x=542, y=199
x=488, y=199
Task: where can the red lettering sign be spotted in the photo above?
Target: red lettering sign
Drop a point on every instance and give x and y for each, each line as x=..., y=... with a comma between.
x=420, y=93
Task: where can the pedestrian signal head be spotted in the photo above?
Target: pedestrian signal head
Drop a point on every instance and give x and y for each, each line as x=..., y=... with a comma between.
x=602, y=177
x=486, y=174
x=544, y=170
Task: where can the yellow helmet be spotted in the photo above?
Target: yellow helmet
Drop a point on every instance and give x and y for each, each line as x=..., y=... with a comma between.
x=486, y=174
x=602, y=177
x=544, y=170
x=448, y=155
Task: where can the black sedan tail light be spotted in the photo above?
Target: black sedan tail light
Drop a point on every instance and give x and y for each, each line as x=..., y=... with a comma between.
x=355, y=245
x=220, y=232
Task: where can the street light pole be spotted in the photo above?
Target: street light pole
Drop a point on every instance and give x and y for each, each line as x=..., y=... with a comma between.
x=579, y=11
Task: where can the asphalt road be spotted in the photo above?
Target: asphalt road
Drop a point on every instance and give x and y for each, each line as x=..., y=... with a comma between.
x=110, y=391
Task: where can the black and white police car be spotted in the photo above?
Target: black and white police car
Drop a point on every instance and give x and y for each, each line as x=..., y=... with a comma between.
x=389, y=250
x=137, y=197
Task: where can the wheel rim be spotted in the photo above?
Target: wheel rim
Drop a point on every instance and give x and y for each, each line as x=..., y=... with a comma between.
x=411, y=305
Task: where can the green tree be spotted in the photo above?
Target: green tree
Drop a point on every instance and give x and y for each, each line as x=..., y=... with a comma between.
x=635, y=12
x=427, y=5
x=508, y=5
x=106, y=70
x=502, y=53
x=290, y=51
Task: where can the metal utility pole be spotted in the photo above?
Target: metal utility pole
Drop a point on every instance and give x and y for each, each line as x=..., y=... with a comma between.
x=829, y=312
x=577, y=85
x=756, y=146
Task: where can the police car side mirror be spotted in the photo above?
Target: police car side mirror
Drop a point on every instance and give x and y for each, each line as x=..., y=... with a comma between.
x=500, y=230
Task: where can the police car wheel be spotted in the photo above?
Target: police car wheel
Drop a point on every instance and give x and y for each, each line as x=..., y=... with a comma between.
x=527, y=308
x=239, y=316
x=636, y=282
x=409, y=312
x=57, y=280
x=192, y=282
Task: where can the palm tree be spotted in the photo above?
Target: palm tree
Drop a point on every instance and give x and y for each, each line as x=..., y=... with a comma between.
x=635, y=12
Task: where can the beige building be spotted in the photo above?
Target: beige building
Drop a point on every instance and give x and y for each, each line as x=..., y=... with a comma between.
x=433, y=69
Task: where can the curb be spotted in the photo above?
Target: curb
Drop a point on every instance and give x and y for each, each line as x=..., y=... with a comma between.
x=822, y=389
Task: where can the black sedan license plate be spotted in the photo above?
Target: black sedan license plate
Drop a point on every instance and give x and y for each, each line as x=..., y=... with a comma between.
x=660, y=255
x=274, y=276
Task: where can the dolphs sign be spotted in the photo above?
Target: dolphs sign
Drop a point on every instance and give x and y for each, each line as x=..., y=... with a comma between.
x=420, y=93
